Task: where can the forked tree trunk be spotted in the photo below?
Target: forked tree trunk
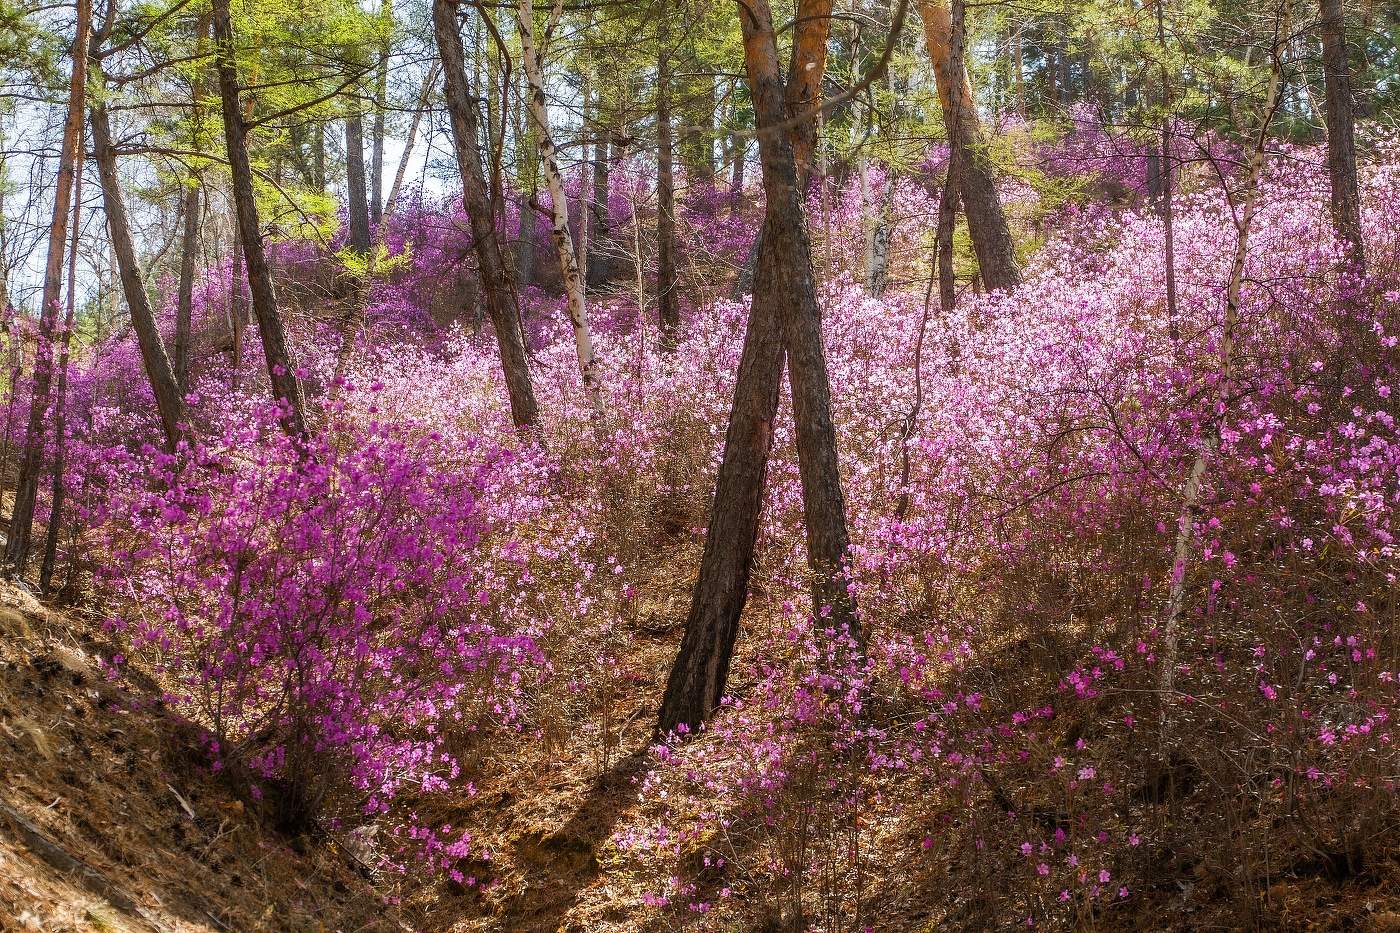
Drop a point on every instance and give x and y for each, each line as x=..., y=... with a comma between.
x=577, y=305
x=785, y=317
x=986, y=222
x=1341, y=132
x=27, y=484
x=490, y=260
x=169, y=402
x=667, y=306
x=286, y=387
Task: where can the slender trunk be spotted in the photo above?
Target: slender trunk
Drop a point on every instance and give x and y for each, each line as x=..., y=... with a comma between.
x=286, y=387
x=358, y=203
x=785, y=318
x=318, y=158
x=549, y=163
x=381, y=106
x=1167, y=181
x=169, y=404
x=184, y=310
x=189, y=247
x=986, y=222
x=877, y=253
x=60, y=416
x=1341, y=133
x=1191, y=495
x=490, y=261
x=27, y=484
x=597, y=267
x=947, y=220
x=667, y=305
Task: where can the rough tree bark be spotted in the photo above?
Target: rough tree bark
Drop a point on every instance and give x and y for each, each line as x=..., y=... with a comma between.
x=577, y=304
x=357, y=199
x=490, y=261
x=986, y=222
x=27, y=484
x=785, y=316
x=1341, y=132
x=169, y=402
x=286, y=387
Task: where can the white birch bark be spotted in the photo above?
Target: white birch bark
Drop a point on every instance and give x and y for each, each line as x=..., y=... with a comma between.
x=549, y=159
x=1191, y=495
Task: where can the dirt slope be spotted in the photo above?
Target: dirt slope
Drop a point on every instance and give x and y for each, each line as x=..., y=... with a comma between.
x=110, y=818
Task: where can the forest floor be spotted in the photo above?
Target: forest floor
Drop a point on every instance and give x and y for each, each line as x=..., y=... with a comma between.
x=111, y=819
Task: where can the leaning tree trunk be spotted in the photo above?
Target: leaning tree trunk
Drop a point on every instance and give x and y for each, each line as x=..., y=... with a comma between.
x=549, y=163
x=286, y=387
x=1341, y=132
x=667, y=306
x=986, y=222
x=491, y=268
x=785, y=317
x=169, y=404
x=27, y=483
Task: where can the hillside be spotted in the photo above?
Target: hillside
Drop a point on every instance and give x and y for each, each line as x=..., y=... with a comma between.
x=110, y=818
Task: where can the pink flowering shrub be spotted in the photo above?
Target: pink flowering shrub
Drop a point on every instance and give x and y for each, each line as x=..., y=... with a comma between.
x=318, y=607
x=354, y=621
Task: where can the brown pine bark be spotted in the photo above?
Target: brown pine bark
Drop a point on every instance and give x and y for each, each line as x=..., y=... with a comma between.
x=169, y=402
x=1341, y=132
x=491, y=269
x=286, y=387
x=986, y=222
x=806, y=70
x=785, y=318
x=27, y=483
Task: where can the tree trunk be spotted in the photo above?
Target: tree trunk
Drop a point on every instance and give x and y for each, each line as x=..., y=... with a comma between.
x=189, y=247
x=490, y=261
x=27, y=484
x=60, y=417
x=1341, y=132
x=667, y=306
x=358, y=203
x=806, y=70
x=286, y=387
x=381, y=106
x=785, y=317
x=877, y=252
x=169, y=404
x=549, y=162
x=986, y=222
